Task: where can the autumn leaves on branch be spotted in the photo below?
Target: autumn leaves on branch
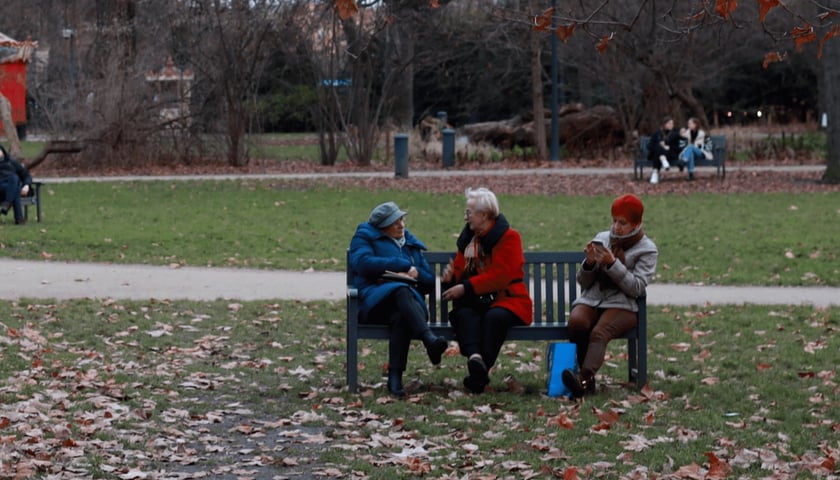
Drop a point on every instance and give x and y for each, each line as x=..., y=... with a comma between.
x=803, y=33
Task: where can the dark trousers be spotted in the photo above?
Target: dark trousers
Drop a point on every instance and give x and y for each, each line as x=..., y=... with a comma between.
x=591, y=329
x=407, y=318
x=10, y=187
x=482, y=331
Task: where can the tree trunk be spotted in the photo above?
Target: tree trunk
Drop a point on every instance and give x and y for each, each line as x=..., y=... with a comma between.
x=401, y=63
x=831, y=106
x=685, y=95
x=537, y=96
x=9, y=125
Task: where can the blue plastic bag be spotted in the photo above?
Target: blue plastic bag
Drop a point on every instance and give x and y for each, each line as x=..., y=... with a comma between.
x=560, y=356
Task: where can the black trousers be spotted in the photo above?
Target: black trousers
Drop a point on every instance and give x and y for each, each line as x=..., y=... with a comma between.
x=407, y=318
x=482, y=331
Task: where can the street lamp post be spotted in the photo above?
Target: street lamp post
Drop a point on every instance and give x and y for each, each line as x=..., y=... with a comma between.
x=554, y=150
x=69, y=34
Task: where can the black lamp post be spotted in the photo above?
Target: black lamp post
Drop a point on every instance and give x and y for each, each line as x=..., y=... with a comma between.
x=554, y=150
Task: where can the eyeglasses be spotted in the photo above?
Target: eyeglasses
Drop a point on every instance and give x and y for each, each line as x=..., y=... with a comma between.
x=469, y=213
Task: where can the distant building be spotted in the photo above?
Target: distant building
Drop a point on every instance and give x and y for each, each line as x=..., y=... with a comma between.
x=14, y=57
x=172, y=86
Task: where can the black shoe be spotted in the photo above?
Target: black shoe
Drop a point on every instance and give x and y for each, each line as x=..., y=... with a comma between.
x=478, y=378
x=435, y=349
x=395, y=385
x=570, y=380
x=578, y=384
x=474, y=385
x=4, y=207
x=20, y=221
x=690, y=176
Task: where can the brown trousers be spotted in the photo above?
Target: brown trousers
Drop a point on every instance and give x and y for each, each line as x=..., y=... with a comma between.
x=591, y=329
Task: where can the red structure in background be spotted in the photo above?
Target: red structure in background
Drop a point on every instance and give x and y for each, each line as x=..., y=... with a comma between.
x=14, y=56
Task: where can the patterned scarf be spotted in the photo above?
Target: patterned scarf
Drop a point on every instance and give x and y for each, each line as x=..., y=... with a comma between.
x=477, y=247
x=620, y=243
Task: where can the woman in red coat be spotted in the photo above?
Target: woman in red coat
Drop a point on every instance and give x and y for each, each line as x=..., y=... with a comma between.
x=484, y=281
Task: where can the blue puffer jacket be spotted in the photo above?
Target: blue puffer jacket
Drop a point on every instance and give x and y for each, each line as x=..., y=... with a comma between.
x=372, y=253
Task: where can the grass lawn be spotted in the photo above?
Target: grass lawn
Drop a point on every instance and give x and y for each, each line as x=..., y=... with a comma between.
x=255, y=390
x=762, y=239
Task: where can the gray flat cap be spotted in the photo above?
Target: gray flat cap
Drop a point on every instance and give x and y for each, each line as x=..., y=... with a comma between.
x=385, y=214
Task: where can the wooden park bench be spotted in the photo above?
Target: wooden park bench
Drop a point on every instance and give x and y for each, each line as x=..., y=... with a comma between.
x=718, y=152
x=550, y=277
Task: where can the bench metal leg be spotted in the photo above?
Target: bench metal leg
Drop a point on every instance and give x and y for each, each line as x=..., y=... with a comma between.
x=641, y=344
x=352, y=346
x=632, y=359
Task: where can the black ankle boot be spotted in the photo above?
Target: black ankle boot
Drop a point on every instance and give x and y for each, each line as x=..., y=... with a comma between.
x=395, y=385
x=578, y=384
x=435, y=346
x=479, y=377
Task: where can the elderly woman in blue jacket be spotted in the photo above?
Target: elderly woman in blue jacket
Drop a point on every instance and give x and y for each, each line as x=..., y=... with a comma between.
x=392, y=276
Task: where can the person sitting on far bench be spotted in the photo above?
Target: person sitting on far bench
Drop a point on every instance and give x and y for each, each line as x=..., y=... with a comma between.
x=15, y=182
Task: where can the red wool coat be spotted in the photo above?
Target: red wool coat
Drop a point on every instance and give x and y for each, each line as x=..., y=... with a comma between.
x=500, y=270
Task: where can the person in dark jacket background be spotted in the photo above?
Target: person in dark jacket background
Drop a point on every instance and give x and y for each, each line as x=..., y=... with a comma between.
x=383, y=246
x=663, y=148
x=14, y=182
x=485, y=283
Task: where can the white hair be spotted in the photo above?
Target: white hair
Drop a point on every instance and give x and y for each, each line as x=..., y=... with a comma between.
x=484, y=200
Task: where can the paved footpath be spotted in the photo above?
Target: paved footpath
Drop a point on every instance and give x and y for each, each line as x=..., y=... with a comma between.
x=46, y=280
x=58, y=280
x=560, y=169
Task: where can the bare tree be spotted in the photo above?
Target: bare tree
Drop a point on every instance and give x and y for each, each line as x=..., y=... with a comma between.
x=831, y=96
x=228, y=44
x=537, y=100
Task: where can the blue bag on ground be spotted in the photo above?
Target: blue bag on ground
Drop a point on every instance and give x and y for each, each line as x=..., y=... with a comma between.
x=560, y=356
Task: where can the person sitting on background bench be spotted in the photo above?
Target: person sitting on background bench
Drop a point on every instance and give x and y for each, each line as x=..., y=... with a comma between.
x=694, y=151
x=619, y=265
x=392, y=276
x=485, y=283
x=663, y=148
x=15, y=182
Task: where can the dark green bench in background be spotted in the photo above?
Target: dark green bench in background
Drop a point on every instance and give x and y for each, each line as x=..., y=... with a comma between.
x=718, y=152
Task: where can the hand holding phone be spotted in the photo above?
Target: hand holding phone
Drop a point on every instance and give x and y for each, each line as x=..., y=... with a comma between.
x=598, y=253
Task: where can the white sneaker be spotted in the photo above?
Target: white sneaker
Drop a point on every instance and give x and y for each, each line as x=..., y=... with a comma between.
x=654, y=177
x=665, y=164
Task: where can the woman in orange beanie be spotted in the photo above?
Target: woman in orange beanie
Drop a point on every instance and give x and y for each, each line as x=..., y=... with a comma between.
x=619, y=265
